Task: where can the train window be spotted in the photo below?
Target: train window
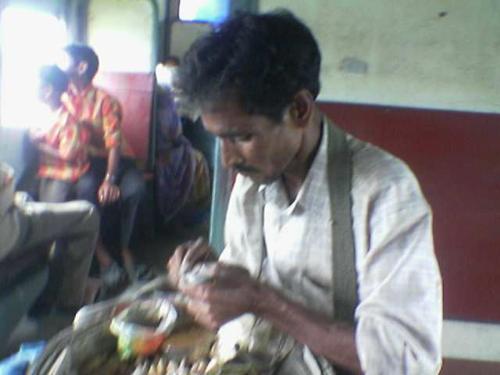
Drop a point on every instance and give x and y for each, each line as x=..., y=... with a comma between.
x=203, y=11
x=29, y=39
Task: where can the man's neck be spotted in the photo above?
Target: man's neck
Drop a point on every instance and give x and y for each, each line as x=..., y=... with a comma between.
x=295, y=175
x=78, y=87
x=54, y=106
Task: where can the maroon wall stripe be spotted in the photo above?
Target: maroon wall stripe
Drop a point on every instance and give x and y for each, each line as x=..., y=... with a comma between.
x=456, y=157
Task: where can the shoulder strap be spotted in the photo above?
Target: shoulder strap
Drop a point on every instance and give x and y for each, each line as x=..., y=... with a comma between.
x=339, y=182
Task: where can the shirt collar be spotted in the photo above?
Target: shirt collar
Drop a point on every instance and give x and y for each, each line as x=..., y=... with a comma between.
x=275, y=192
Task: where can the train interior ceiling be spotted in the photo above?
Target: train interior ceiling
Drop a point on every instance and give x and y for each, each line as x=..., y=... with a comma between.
x=422, y=85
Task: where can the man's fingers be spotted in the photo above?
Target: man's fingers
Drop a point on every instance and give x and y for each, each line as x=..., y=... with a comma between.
x=174, y=264
x=114, y=193
x=197, y=252
x=103, y=195
x=184, y=257
x=176, y=259
x=178, y=253
x=108, y=193
x=201, y=313
x=113, y=198
x=228, y=272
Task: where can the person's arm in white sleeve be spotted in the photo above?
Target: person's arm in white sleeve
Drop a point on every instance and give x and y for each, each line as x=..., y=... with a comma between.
x=399, y=318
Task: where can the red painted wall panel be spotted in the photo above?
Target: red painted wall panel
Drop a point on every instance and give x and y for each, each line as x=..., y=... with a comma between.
x=135, y=93
x=464, y=367
x=456, y=157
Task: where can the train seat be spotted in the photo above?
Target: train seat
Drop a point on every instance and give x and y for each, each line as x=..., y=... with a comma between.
x=135, y=92
x=22, y=278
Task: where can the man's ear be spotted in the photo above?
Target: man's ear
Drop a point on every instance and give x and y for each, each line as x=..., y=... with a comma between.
x=302, y=107
x=82, y=67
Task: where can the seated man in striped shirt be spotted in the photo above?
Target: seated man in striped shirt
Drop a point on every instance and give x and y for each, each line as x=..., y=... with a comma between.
x=65, y=168
x=114, y=182
x=63, y=147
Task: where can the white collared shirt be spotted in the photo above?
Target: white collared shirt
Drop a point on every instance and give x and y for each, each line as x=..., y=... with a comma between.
x=399, y=316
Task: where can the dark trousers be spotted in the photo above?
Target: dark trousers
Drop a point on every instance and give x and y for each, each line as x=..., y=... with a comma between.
x=132, y=187
x=57, y=191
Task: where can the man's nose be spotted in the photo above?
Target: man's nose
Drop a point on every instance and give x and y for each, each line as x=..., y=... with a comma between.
x=230, y=156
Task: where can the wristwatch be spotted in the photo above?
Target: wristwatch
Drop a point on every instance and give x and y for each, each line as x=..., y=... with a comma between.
x=110, y=178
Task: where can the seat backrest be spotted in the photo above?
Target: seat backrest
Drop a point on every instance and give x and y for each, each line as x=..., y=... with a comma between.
x=17, y=151
x=135, y=92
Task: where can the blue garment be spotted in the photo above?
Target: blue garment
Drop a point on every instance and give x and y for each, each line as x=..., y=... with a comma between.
x=18, y=363
x=175, y=161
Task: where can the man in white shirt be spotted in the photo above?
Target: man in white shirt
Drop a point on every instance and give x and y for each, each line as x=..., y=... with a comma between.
x=25, y=225
x=255, y=80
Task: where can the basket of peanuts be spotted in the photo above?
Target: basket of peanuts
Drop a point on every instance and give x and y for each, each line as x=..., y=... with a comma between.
x=145, y=335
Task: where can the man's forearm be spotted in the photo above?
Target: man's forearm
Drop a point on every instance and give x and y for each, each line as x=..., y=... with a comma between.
x=50, y=151
x=334, y=341
x=112, y=165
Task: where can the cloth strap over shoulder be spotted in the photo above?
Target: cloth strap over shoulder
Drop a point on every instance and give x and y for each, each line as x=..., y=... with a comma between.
x=339, y=183
x=339, y=170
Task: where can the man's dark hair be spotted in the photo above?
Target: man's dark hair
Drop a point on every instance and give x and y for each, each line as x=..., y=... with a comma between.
x=260, y=60
x=55, y=77
x=83, y=53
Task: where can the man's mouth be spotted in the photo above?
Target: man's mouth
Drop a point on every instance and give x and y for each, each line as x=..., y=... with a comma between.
x=243, y=169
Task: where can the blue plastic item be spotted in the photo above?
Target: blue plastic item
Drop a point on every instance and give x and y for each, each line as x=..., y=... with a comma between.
x=18, y=363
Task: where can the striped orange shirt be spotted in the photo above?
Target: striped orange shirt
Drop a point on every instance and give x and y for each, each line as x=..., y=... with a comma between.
x=102, y=113
x=71, y=141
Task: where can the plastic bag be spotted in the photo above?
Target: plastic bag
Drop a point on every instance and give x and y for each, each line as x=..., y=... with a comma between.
x=17, y=363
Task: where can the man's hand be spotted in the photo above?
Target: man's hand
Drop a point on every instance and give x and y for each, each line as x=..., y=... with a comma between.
x=108, y=193
x=185, y=256
x=231, y=293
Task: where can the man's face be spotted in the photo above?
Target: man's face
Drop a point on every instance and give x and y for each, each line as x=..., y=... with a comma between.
x=68, y=65
x=254, y=145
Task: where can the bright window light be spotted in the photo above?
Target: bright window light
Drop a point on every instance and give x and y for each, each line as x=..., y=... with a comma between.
x=23, y=53
x=203, y=10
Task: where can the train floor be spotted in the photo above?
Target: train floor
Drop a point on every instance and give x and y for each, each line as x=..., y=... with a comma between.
x=153, y=253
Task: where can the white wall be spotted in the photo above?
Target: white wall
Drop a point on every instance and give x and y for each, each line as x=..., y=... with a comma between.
x=417, y=53
x=122, y=34
x=183, y=34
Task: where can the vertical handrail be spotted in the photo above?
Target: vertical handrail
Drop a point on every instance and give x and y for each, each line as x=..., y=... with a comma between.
x=222, y=185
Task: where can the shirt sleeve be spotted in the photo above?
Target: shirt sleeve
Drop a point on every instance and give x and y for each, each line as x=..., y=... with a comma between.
x=399, y=318
x=111, y=122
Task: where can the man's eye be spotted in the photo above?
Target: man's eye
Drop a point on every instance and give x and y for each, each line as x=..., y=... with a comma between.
x=242, y=138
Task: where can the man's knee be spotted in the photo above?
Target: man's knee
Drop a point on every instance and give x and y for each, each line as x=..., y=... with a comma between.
x=132, y=185
x=86, y=188
x=92, y=217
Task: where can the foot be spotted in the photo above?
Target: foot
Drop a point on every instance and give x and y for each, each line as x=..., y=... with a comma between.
x=113, y=280
x=144, y=273
x=129, y=265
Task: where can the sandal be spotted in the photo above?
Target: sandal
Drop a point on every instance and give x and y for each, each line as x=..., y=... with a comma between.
x=113, y=281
